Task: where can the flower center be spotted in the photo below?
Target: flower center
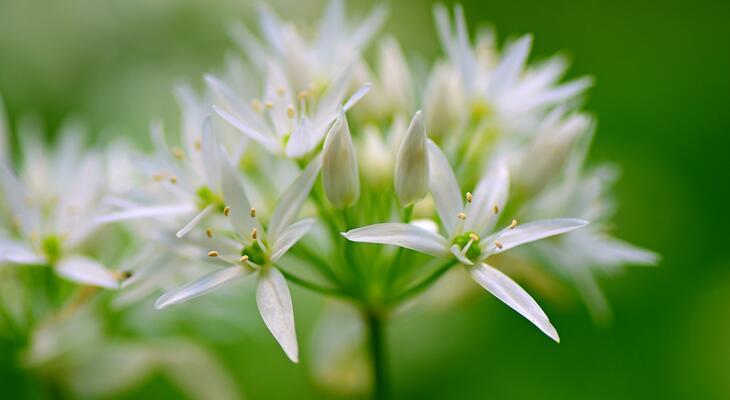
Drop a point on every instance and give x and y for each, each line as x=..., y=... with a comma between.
x=256, y=254
x=51, y=247
x=206, y=197
x=470, y=242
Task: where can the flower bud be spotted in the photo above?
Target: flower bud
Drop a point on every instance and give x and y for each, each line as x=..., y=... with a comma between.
x=411, y=163
x=443, y=101
x=339, y=165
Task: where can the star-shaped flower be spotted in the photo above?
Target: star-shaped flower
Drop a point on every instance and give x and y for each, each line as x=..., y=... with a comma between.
x=470, y=238
x=256, y=250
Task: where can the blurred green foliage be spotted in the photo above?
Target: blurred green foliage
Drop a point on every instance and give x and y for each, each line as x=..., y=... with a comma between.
x=662, y=96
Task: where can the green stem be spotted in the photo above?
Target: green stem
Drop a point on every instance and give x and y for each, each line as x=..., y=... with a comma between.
x=425, y=282
x=311, y=285
x=377, y=347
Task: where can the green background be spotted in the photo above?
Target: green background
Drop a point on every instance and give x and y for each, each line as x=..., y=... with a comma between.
x=662, y=98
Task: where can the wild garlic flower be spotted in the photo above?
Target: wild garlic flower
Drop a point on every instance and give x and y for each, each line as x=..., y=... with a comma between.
x=256, y=250
x=340, y=176
x=470, y=238
x=188, y=180
x=51, y=204
x=411, y=163
x=511, y=94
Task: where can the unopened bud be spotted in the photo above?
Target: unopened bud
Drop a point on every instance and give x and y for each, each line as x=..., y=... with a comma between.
x=339, y=165
x=411, y=163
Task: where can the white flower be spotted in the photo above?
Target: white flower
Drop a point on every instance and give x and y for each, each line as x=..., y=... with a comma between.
x=188, y=179
x=256, y=251
x=469, y=233
x=51, y=205
x=340, y=176
x=411, y=163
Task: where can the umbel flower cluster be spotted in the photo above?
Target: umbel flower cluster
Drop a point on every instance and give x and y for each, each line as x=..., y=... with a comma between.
x=302, y=162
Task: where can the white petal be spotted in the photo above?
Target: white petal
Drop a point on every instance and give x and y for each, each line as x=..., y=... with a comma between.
x=533, y=231
x=509, y=292
x=359, y=94
x=274, y=302
x=491, y=190
x=302, y=140
x=444, y=187
x=211, y=154
x=194, y=222
x=456, y=251
x=403, y=235
x=289, y=237
x=236, y=199
x=293, y=199
x=200, y=286
x=263, y=139
x=510, y=67
x=87, y=271
x=146, y=212
x=17, y=253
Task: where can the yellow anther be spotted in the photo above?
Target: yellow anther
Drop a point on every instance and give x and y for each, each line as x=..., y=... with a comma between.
x=253, y=212
x=254, y=234
x=158, y=177
x=227, y=211
x=269, y=105
x=213, y=253
x=256, y=105
x=198, y=144
x=173, y=179
x=243, y=259
x=461, y=216
x=178, y=153
x=496, y=209
x=498, y=244
x=290, y=111
x=209, y=232
x=513, y=224
x=473, y=236
x=469, y=197
x=280, y=91
x=303, y=95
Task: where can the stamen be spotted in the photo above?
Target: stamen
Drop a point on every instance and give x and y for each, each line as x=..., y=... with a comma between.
x=496, y=209
x=243, y=259
x=209, y=232
x=256, y=105
x=469, y=197
x=253, y=212
x=513, y=224
x=280, y=91
x=178, y=153
x=498, y=244
x=198, y=144
x=473, y=236
x=254, y=234
x=290, y=111
x=461, y=216
x=213, y=253
x=269, y=105
x=158, y=177
x=227, y=211
x=303, y=95
x=173, y=179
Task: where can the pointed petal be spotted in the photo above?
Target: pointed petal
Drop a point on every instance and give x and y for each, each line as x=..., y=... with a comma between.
x=510, y=293
x=146, y=212
x=235, y=197
x=403, y=235
x=456, y=251
x=491, y=190
x=508, y=70
x=261, y=138
x=211, y=154
x=194, y=222
x=293, y=199
x=289, y=237
x=201, y=286
x=274, y=302
x=444, y=187
x=533, y=231
x=86, y=271
x=359, y=94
